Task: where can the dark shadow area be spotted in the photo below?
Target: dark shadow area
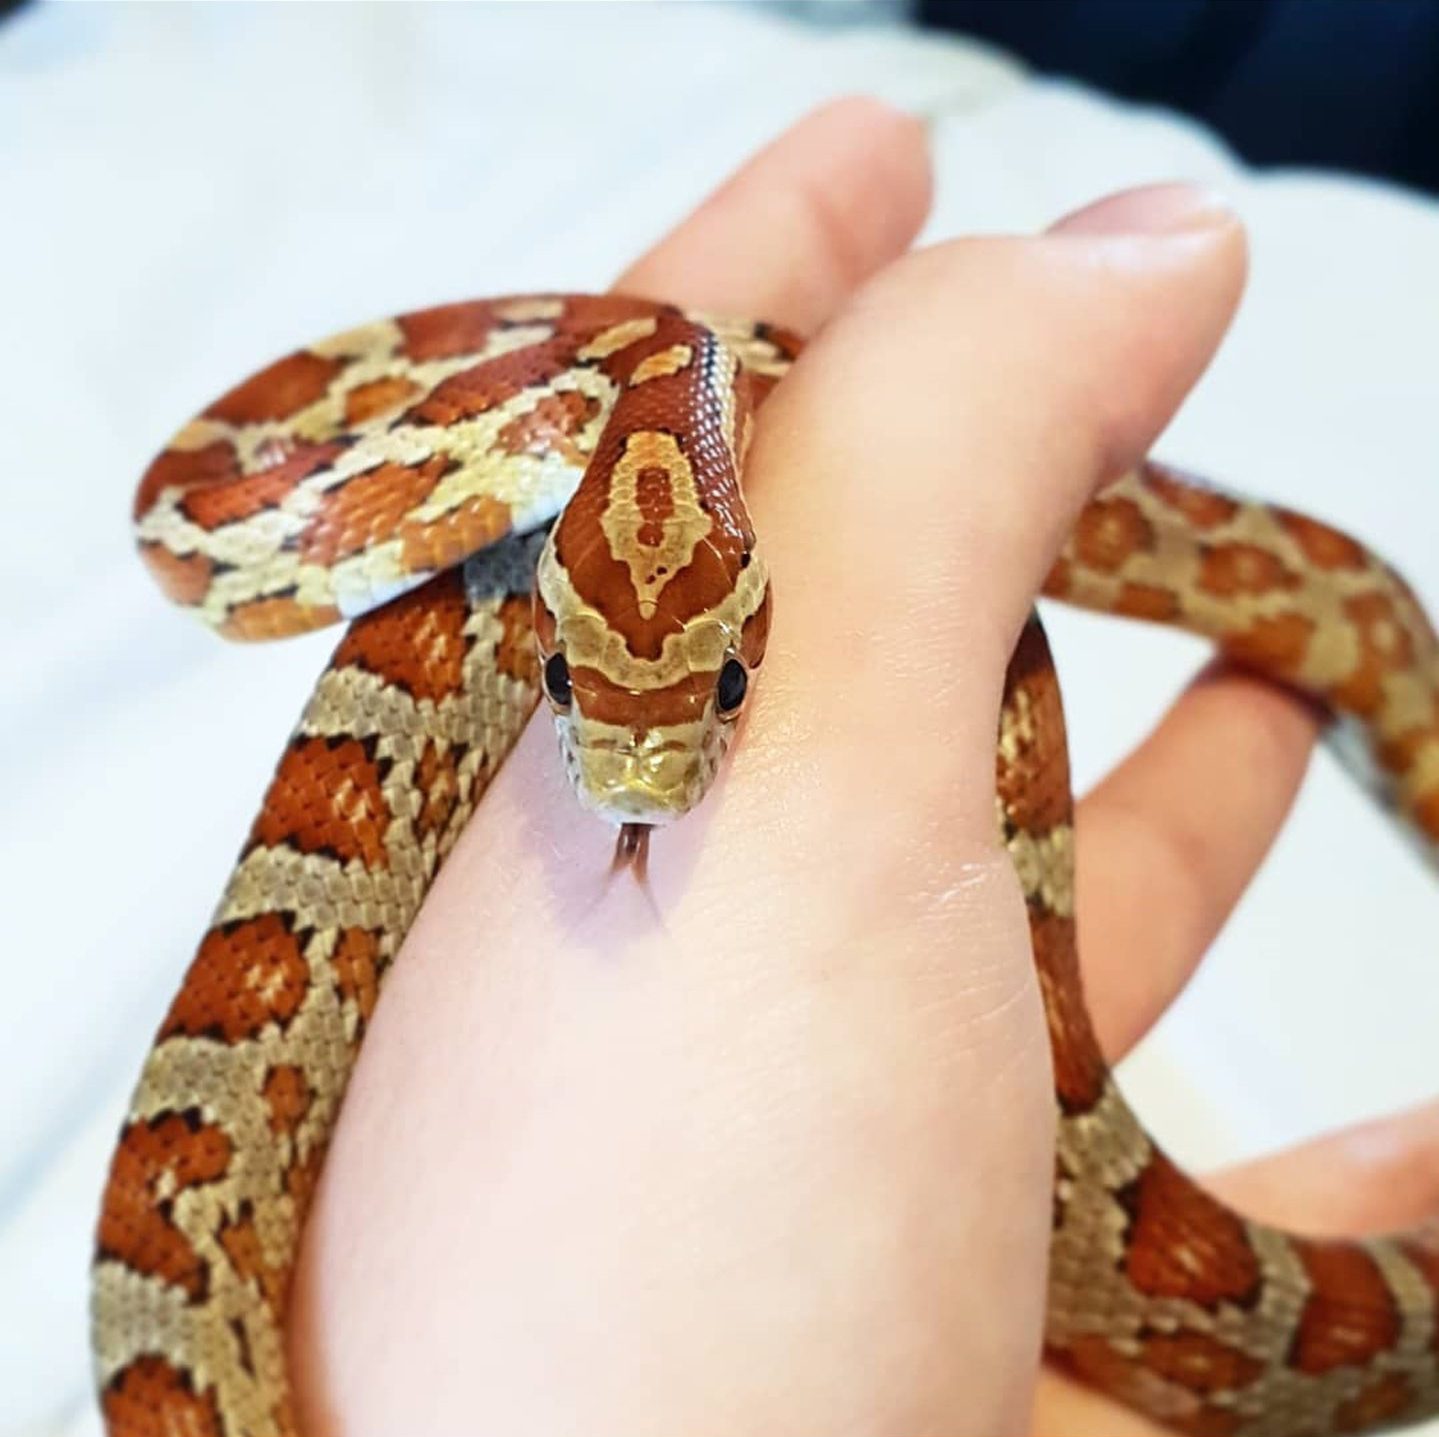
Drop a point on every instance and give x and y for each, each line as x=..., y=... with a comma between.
x=1341, y=84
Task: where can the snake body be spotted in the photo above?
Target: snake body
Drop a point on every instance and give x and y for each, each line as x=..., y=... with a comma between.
x=403, y=476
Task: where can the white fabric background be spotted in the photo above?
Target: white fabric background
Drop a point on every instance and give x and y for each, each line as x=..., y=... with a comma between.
x=190, y=191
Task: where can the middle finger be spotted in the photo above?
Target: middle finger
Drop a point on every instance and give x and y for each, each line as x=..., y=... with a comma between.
x=1186, y=819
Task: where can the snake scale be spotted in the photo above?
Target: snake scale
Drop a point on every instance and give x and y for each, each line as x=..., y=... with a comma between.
x=405, y=476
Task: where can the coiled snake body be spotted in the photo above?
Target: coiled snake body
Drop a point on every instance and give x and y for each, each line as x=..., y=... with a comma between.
x=403, y=475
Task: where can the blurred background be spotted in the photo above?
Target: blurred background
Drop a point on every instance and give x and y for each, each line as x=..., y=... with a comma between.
x=188, y=191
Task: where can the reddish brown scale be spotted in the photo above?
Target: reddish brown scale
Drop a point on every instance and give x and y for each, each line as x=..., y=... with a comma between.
x=447, y=329
x=493, y=382
x=1349, y=1317
x=1388, y=1397
x=1202, y=508
x=551, y=426
x=515, y=657
x=612, y=703
x=437, y=773
x=183, y=579
x=1110, y=532
x=1147, y=601
x=1324, y=547
x=1096, y=1362
x=368, y=506
x=1276, y=646
x=213, y=505
x=212, y=464
x=150, y=1385
x=1385, y=648
x=1231, y=570
x=327, y=798
x=381, y=396
x=277, y=618
x=241, y=1244
x=1032, y=784
x=155, y=1162
x=474, y=525
x=279, y=391
x=416, y=643
x=358, y=969
x=1079, y=1069
x=245, y=976
x=755, y=636
x=1185, y=1244
x=604, y=581
x=287, y=1095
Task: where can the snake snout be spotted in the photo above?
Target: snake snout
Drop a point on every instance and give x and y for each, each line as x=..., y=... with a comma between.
x=637, y=780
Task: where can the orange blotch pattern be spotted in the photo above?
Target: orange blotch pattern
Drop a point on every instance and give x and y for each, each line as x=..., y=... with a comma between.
x=1183, y=1243
x=485, y=386
x=326, y=797
x=356, y=961
x=1147, y=601
x=1199, y=1362
x=1079, y=1069
x=1380, y=1402
x=287, y=1097
x=1349, y=1316
x=1425, y=811
x=515, y=654
x=246, y=976
x=417, y=642
x=155, y=1162
x=150, y=1385
x=1276, y=645
x=212, y=506
x=183, y=578
x=379, y=396
x=1203, y=508
x=1032, y=776
x=240, y=1243
x=1322, y=546
x=447, y=330
x=276, y=618
x=755, y=637
x=1231, y=570
x=474, y=524
x=550, y=427
x=280, y=390
x=1096, y=1361
x=1110, y=532
x=186, y=469
x=437, y=774
x=369, y=507
x=1384, y=648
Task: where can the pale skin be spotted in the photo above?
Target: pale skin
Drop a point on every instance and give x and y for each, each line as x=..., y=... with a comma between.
x=770, y=1150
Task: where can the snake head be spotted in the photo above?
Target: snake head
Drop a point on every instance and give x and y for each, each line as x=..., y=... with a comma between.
x=645, y=705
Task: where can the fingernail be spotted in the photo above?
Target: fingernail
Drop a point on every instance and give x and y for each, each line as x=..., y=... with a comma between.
x=1149, y=210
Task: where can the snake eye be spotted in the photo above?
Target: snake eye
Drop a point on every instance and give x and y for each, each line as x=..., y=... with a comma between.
x=557, y=681
x=732, y=686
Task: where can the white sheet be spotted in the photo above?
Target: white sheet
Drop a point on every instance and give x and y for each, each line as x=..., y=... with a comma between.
x=190, y=191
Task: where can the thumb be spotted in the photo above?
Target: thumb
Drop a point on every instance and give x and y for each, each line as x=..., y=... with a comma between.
x=937, y=443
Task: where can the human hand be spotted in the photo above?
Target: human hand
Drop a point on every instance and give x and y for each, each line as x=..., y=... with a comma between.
x=775, y=1152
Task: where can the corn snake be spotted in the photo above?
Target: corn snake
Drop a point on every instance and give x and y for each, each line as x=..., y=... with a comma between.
x=403, y=476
